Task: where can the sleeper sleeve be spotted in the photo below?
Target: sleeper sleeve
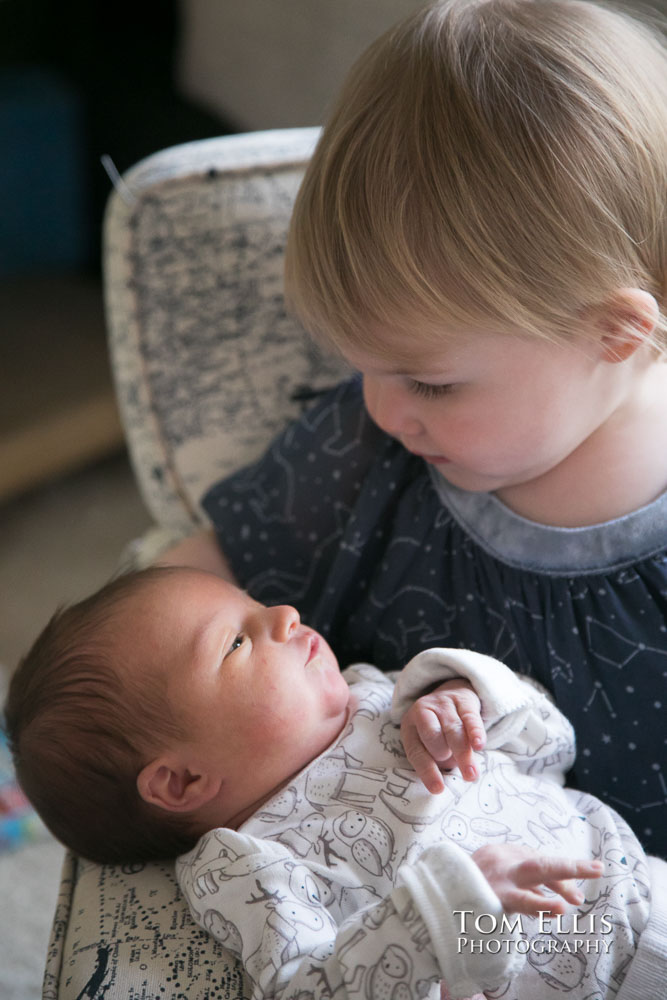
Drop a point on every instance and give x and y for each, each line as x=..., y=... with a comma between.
x=284, y=921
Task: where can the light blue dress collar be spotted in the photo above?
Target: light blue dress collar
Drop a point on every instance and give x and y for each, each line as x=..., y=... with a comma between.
x=519, y=542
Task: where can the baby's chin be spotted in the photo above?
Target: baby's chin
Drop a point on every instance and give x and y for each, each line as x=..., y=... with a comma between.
x=337, y=695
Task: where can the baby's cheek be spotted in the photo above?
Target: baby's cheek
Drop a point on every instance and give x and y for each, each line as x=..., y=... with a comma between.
x=276, y=719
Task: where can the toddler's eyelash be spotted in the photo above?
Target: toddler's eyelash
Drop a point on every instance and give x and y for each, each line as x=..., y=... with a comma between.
x=428, y=391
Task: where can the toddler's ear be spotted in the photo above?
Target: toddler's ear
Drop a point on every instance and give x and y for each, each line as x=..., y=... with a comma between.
x=172, y=786
x=627, y=321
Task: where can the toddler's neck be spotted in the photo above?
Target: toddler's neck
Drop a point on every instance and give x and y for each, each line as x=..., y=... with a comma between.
x=621, y=467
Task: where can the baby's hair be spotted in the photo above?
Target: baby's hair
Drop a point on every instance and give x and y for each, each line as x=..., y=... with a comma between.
x=489, y=163
x=80, y=734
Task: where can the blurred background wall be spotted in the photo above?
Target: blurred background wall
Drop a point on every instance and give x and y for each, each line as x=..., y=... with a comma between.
x=276, y=63
x=79, y=80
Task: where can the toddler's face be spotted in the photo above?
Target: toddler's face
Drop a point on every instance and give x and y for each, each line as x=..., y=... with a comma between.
x=257, y=693
x=490, y=410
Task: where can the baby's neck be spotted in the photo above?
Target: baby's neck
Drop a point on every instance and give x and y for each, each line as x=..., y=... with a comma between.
x=621, y=467
x=216, y=813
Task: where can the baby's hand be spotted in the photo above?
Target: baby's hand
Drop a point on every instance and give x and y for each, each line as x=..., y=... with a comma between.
x=516, y=875
x=443, y=729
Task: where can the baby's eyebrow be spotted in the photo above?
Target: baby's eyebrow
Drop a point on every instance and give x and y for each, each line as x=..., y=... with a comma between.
x=202, y=641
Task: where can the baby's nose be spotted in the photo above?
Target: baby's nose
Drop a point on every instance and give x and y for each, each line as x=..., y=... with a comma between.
x=285, y=621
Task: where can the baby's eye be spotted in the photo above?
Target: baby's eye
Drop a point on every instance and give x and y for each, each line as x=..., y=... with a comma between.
x=238, y=641
x=428, y=391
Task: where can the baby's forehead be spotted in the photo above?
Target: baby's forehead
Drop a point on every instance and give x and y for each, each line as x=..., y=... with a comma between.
x=136, y=611
x=150, y=588
x=169, y=606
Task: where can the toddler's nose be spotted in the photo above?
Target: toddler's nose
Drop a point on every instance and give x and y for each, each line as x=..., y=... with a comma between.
x=284, y=622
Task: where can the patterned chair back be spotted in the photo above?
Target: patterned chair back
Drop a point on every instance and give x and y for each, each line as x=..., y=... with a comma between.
x=208, y=366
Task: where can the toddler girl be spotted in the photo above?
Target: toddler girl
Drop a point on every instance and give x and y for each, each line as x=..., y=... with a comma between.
x=481, y=233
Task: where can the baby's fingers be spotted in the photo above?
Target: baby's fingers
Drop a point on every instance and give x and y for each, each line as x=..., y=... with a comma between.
x=425, y=767
x=444, y=735
x=554, y=871
x=559, y=875
x=531, y=902
x=463, y=732
x=442, y=729
x=567, y=887
x=429, y=727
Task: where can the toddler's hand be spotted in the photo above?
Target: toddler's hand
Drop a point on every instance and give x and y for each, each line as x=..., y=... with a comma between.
x=516, y=875
x=443, y=729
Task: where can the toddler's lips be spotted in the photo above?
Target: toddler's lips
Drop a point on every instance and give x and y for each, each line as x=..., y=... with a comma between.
x=431, y=459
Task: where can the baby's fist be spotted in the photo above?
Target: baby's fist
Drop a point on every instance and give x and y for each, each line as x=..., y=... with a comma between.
x=442, y=730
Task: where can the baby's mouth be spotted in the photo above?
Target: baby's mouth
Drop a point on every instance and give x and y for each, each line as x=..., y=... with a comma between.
x=313, y=648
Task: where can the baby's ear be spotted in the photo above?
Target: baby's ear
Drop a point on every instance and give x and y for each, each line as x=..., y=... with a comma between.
x=626, y=321
x=171, y=785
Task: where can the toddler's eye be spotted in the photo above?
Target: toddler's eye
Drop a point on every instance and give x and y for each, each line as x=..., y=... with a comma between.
x=428, y=391
x=238, y=641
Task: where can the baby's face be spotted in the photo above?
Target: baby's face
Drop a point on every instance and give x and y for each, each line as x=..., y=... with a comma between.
x=257, y=693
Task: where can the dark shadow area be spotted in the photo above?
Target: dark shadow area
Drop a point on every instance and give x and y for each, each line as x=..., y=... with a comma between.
x=79, y=80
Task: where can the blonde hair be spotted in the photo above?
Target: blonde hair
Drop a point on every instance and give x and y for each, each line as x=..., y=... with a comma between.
x=494, y=162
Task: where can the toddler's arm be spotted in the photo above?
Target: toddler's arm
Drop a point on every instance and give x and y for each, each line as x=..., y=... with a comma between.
x=200, y=551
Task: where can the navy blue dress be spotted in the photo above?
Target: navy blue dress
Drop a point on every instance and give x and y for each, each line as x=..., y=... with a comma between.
x=385, y=558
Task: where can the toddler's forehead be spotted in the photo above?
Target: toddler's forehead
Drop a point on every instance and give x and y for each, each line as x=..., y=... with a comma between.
x=410, y=349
